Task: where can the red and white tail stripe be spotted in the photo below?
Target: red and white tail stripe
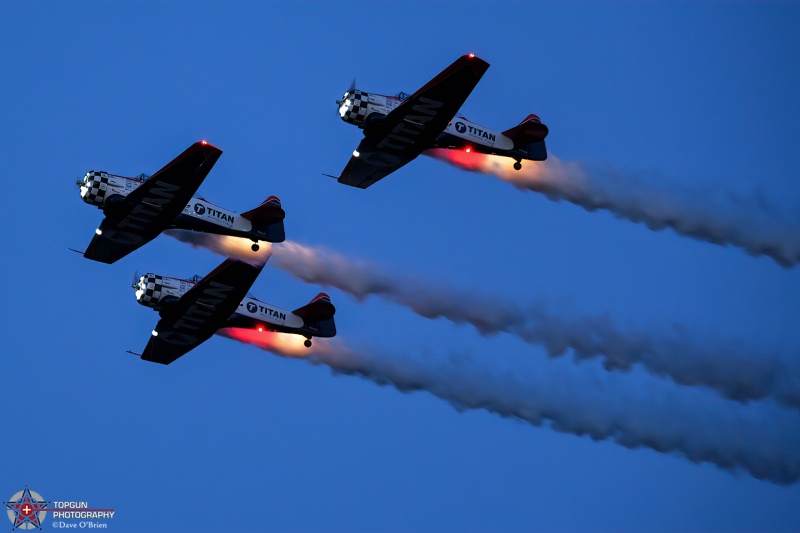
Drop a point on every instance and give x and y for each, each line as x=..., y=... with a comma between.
x=531, y=118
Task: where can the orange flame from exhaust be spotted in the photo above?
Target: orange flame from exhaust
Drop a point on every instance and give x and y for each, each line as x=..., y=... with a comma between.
x=225, y=245
x=283, y=344
x=502, y=167
x=473, y=161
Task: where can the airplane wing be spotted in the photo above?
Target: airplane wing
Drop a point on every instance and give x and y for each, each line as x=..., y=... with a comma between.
x=412, y=126
x=198, y=314
x=140, y=216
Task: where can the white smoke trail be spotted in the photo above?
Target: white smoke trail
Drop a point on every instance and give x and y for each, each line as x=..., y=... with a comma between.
x=727, y=367
x=760, y=439
x=730, y=369
x=702, y=215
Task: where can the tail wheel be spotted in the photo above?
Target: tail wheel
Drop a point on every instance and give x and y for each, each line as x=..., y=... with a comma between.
x=307, y=343
x=254, y=247
x=517, y=166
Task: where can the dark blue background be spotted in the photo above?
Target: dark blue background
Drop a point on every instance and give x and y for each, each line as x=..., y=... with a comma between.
x=231, y=438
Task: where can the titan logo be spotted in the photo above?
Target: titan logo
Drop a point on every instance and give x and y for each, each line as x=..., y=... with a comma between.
x=202, y=310
x=178, y=338
x=200, y=209
x=405, y=133
x=160, y=195
x=220, y=215
x=143, y=214
x=461, y=128
x=252, y=307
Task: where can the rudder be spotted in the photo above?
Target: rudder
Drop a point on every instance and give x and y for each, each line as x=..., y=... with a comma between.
x=267, y=219
x=318, y=315
x=529, y=131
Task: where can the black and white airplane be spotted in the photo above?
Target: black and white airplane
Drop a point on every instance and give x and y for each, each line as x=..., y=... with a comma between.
x=137, y=210
x=399, y=128
x=193, y=310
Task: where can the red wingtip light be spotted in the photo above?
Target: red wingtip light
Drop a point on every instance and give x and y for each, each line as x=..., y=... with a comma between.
x=260, y=328
x=468, y=150
x=471, y=56
x=204, y=142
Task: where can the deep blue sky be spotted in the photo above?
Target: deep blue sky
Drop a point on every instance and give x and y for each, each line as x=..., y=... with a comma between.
x=698, y=95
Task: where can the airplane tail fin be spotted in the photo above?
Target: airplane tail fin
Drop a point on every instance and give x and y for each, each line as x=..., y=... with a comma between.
x=269, y=212
x=268, y=218
x=529, y=135
x=318, y=315
x=537, y=151
x=529, y=131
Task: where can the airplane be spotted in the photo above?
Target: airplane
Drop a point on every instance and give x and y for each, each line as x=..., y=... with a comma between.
x=138, y=209
x=399, y=128
x=192, y=310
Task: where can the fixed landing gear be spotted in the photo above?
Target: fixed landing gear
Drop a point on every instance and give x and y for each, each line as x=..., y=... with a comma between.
x=254, y=247
x=307, y=343
x=517, y=166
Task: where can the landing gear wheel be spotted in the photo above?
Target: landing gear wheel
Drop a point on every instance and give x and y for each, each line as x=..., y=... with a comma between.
x=254, y=247
x=307, y=343
x=517, y=166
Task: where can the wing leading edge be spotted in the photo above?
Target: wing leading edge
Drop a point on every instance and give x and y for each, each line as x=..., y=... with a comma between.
x=140, y=216
x=391, y=142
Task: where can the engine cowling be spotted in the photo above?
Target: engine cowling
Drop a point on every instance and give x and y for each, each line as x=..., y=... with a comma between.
x=354, y=106
x=98, y=187
x=149, y=290
x=153, y=290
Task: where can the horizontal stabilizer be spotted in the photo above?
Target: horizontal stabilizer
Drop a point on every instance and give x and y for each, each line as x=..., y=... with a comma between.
x=317, y=310
x=269, y=212
x=531, y=130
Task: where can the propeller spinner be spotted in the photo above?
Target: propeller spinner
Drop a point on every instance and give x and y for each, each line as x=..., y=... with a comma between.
x=343, y=102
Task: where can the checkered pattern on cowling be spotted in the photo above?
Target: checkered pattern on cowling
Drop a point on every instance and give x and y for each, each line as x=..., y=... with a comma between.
x=152, y=291
x=357, y=103
x=96, y=192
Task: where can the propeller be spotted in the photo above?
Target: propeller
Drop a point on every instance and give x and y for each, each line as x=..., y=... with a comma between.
x=135, y=279
x=340, y=102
